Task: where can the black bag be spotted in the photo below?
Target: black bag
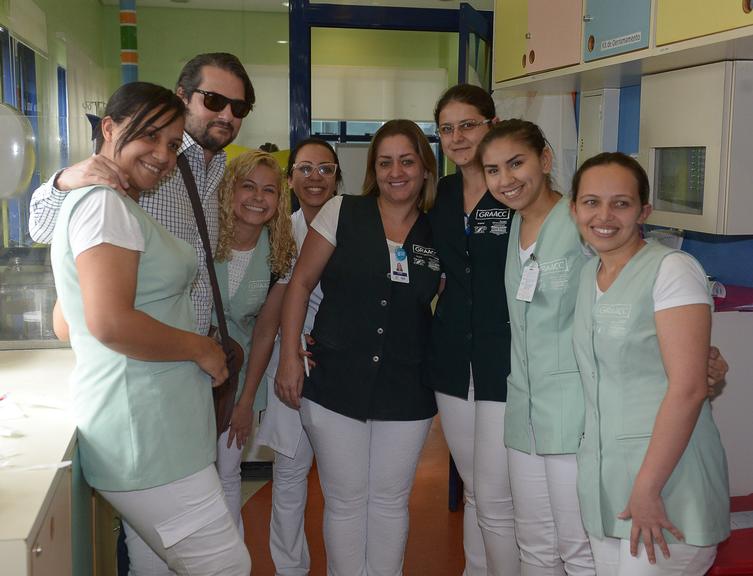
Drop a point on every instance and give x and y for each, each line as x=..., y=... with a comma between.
x=224, y=394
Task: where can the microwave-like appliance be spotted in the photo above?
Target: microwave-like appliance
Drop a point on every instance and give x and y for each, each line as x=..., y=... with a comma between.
x=696, y=144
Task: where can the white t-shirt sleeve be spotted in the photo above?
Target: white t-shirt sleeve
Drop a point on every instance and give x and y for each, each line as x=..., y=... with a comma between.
x=103, y=217
x=681, y=281
x=327, y=220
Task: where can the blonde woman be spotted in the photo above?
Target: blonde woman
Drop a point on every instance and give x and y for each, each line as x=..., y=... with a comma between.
x=254, y=256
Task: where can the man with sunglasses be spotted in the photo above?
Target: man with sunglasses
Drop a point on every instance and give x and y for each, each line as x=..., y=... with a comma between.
x=218, y=95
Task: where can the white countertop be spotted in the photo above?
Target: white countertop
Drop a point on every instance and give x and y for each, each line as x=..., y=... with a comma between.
x=29, y=377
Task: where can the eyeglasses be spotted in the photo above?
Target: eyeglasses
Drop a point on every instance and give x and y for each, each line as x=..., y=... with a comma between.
x=216, y=102
x=306, y=169
x=464, y=126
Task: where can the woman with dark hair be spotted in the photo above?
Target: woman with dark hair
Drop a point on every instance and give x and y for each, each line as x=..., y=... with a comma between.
x=313, y=176
x=651, y=466
x=469, y=357
x=365, y=406
x=545, y=420
x=141, y=388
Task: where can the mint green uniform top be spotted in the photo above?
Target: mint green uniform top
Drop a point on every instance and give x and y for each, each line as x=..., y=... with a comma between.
x=543, y=388
x=624, y=383
x=140, y=424
x=243, y=308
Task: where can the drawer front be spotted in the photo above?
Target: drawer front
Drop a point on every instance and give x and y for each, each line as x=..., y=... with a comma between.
x=678, y=20
x=555, y=33
x=510, y=28
x=614, y=27
x=51, y=549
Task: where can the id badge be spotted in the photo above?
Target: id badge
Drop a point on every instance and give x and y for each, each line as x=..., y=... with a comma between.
x=399, y=265
x=528, y=281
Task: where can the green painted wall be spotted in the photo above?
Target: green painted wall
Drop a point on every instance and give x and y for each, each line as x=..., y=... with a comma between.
x=388, y=48
x=164, y=44
x=169, y=37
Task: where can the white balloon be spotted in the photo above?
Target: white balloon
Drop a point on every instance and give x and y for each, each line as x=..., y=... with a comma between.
x=17, y=154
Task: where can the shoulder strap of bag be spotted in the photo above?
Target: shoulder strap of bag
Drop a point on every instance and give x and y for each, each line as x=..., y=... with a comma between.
x=201, y=223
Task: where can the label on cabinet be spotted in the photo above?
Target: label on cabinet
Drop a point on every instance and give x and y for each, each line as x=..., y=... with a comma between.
x=626, y=40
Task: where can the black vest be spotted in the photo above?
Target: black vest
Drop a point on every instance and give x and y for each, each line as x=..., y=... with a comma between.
x=371, y=333
x=471, y=323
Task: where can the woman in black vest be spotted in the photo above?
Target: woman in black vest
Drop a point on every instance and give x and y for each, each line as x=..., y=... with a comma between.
x=365, y=406
x=469, y=359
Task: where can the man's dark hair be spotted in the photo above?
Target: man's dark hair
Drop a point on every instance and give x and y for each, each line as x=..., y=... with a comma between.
x=190, y=76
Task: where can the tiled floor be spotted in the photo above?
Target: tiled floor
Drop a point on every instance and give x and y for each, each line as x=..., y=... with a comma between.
x=435, y=542
x=251, y=487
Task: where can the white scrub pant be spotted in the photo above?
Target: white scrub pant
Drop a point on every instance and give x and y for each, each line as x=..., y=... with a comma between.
x=229, y=470
x=366, y=471
x=547, y=515
x=474, y=434
x=183, y=527
x=287, y=538
x=613, y=558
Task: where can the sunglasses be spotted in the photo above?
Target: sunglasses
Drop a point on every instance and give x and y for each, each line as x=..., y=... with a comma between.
x=216, y=102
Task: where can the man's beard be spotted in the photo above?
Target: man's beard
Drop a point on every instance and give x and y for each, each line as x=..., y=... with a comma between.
x=212, y=143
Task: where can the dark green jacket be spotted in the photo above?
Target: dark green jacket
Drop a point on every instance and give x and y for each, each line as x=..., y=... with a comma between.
x=371, y=333
x=471, y=323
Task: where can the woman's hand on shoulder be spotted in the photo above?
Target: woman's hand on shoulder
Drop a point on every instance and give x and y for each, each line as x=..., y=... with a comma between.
x=717, y=372
x=646, y=509
x=211, y=359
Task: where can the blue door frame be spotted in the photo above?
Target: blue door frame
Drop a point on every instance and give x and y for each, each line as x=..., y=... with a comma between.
x=475, y=22
x=304, y=16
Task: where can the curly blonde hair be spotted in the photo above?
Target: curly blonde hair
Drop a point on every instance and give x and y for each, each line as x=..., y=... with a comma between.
x=282, y=244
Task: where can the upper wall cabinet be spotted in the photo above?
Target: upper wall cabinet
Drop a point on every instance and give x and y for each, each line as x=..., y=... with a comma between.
x=553, y=39
x=683, y=19
x=510, y=27
x=614, y=27
x=536, y=35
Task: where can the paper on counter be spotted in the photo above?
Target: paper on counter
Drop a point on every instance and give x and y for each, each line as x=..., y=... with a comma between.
x=9, y=410
x=7, y=467
x=6, y=432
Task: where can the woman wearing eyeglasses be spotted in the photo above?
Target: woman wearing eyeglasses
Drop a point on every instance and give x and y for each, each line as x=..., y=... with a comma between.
x=313, y=176
x=365, y=407
x=470, y=349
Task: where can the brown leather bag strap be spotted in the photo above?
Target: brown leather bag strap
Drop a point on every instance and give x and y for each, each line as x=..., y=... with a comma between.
x=201, y=223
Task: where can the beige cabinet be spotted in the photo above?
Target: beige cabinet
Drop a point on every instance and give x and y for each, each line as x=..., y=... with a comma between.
x=105, y=532
x=50, y=551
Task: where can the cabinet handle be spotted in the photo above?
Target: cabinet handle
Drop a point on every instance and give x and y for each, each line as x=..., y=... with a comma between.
x=588, y=18
x=37, y=550
x=747, y=6
x=528, y=35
